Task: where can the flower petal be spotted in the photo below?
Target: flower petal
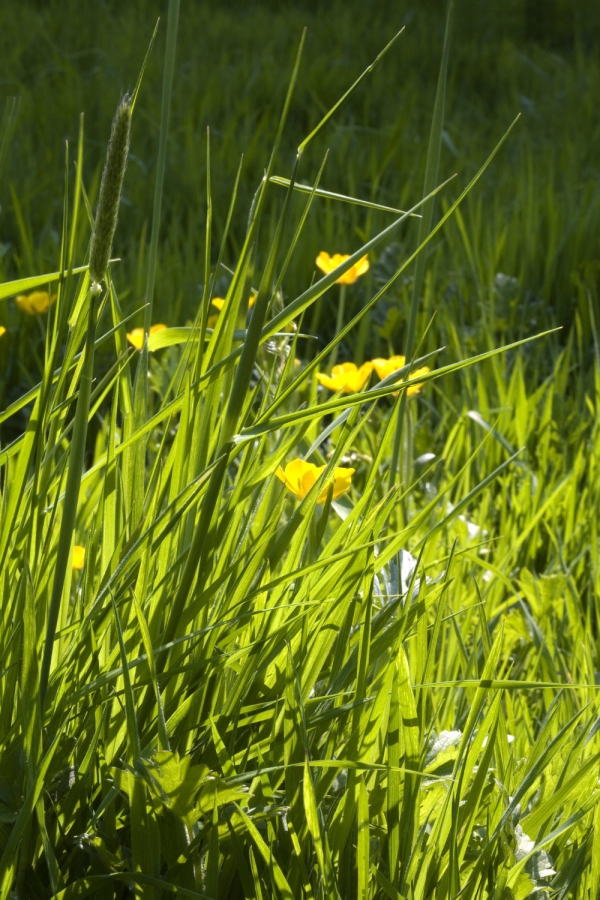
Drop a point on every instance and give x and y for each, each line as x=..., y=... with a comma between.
x=136, y=337
x=78, y=557
x=328, y=382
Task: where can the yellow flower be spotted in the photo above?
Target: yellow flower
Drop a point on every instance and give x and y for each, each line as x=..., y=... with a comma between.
x=35, y=303
x=328, y=263
x=385, y=367
x=136, y=337
x=78, y=557
x=299, y=476
x=2, y=330
x=346, y=377
x=219, y=302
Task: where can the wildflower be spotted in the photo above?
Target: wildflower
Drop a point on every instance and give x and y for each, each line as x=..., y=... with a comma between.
x=110, y=190
x=328, y=263
x=385, y=367
x=35, y=303
x=78, y=557
x=346, y=377
x=299, y=476
x=219, y=302
x=136, y=337
x=2, y=330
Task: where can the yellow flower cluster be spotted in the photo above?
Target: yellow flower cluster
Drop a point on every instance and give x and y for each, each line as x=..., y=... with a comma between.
x=349, y=378
x=299, y=476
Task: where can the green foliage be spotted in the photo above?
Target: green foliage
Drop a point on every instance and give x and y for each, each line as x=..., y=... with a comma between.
x=391, y=693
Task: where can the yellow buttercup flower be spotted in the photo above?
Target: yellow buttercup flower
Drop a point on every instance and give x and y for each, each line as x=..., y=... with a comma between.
x=328, y=263
x=136, y=337
x=78, y=557
x=385, y=367
x=2, y=330
x=299, y=476
x=219, y=302
x=35, y=303
x=346, y=377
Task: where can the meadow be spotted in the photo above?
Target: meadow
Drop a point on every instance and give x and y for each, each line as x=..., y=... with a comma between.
x=299, y=551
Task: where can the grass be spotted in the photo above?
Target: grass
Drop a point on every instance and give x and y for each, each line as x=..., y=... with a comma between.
x=242, y=692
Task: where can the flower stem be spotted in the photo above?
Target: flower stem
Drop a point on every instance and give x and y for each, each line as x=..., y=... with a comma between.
x=339, y=323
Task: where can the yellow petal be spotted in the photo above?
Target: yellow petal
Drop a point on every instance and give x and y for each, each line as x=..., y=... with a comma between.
x=2, y=330
x=359, y=268
x=346, y=377
x=219, y=302
x=415, y=388
x=328, y=263
x=291, y=476
x=78, y=557
x=23, y=303
x=362, y=266
x=362, y=376
x=295, y=472
x=343, y=369
x=40, y=301
x=325, y=262
x=385, y=367
x=136, y=337
x=327, y=382
x=281, y=474
x=342, y=481
x=309, y=476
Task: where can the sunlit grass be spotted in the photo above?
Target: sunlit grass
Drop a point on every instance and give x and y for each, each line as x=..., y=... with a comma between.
x=274, y=626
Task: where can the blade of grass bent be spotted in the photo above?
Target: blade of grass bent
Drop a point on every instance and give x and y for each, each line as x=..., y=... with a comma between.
x=11, y=288
x=302, y=147
x=331, y=195
x=138, y=85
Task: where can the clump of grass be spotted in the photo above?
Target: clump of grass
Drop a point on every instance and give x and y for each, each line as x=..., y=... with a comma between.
x=273, y=674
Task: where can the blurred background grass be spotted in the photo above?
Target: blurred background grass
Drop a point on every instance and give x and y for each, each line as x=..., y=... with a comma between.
x=528, y=257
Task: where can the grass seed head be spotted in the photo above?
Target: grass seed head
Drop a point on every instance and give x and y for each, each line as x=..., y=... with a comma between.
x=110, y=191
